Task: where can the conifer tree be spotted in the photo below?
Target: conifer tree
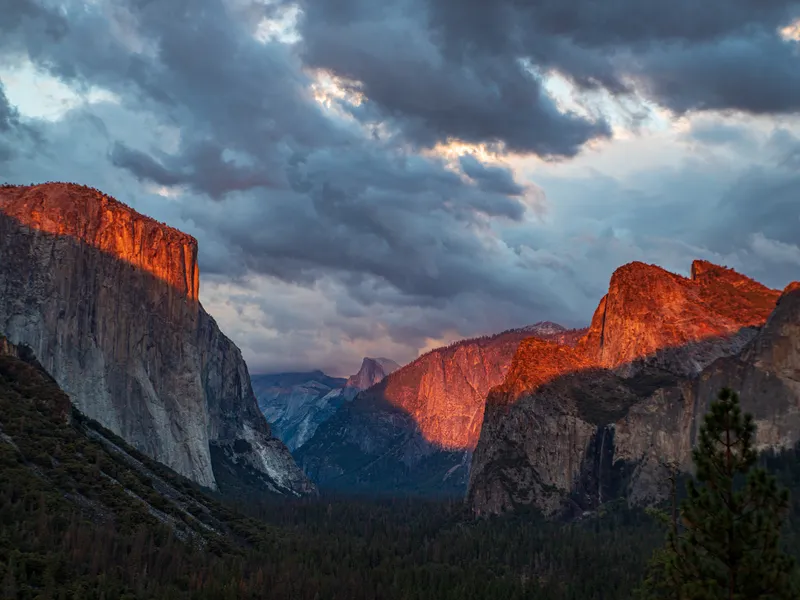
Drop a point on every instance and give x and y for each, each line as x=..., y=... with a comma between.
x=727, y=546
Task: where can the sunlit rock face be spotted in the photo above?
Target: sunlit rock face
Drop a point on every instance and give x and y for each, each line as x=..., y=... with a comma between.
x=648, y=310
x=416, y=429
x=571, y=428
x=108, y=301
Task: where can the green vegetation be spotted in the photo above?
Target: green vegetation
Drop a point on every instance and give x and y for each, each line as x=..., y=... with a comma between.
x=83, y=516
x=726, y=542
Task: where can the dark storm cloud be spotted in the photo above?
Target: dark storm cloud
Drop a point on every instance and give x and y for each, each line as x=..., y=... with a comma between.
x=203, y=167
x=759, y=74
x=425, y=62
x=144, y=166
x=7, y=119
x=302, y=194
x=433, y=97
x=280, y=188
x=8, y=115
x=14, y=135
x=502, y=24
x=760, y=201
x=490, y=179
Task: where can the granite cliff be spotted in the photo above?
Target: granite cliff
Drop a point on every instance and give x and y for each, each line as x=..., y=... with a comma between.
x=107, y=299
x=571, y=428
x=414, y=432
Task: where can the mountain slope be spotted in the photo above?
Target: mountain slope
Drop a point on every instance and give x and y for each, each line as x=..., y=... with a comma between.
x=296, y=404
x=108, y=301
x=291, y=401
x=46, y=443
x=571, y=428
x=414, y=431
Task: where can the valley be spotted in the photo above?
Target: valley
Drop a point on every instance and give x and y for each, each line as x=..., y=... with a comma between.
x=403, y=300
x=131, y=422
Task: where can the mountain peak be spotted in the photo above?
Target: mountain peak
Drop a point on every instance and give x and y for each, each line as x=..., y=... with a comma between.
x=371, y=372
x=107, y=300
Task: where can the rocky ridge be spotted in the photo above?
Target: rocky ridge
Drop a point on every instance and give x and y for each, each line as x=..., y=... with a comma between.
x=415, y=430
x=570, y=428
x=108, y=301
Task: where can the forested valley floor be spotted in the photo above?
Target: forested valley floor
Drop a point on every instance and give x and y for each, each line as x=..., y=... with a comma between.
x=83, y=516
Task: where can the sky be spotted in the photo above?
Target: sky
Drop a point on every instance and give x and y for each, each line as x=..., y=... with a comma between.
x=380, y=178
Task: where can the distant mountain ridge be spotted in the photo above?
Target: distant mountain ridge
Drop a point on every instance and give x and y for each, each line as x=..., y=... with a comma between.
x=108, y=301
x=414, y=431
x=296, y=404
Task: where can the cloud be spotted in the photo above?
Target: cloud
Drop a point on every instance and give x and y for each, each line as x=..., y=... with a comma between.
x=8, y=114
x=775, y=251
x=448, y=54
x=203, y=167
x=373, y=181
x=490, y=179
x=408, y=79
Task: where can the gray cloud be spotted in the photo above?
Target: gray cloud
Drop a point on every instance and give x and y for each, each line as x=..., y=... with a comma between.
x=430, y=95
x=8, y=114
x=445, y=54
x=490, y=179
x=295, y=208
x=203, y=167
x=720, y=134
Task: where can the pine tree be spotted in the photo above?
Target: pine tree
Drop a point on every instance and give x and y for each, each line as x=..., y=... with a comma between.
x=728, y=544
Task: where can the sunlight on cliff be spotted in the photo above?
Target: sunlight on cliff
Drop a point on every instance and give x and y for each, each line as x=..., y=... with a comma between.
x=679, y=323
x=101, y=222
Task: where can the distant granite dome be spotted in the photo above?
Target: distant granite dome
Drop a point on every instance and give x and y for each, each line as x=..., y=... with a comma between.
x=108, y=301
x=372, y=371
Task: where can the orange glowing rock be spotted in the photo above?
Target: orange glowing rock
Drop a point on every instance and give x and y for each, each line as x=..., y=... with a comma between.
x=108, y=225
x=647, y=310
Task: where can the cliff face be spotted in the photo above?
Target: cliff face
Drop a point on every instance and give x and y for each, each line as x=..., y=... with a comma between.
x=416, y=429
x=571, y=428
x=649, y=311
x=108, y=301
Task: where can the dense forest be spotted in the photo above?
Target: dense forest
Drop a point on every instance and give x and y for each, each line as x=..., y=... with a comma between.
x=85, y=517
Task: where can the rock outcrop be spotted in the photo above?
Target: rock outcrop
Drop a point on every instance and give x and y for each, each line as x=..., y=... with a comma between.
x=416, y=429
x=571, y=428
x=108, y=301
x=372, y=371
